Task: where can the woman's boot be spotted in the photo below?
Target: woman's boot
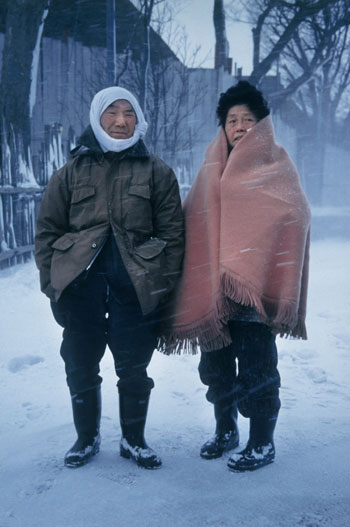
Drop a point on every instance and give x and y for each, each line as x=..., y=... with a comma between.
x=133, y=414
x=87, y=416
x=260, y=449
x=226, y=433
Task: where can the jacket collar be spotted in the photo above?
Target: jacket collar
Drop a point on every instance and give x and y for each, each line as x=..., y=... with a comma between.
x=87, y=144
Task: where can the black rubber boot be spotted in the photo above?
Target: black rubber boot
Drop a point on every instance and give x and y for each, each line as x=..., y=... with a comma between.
x=226, y=433
x=260, y=449
x=133, y=414
x=87, y=416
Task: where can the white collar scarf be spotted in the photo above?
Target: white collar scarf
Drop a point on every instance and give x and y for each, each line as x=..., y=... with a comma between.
x=100, y=102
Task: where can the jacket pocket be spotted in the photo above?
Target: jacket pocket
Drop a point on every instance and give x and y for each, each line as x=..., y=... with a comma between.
x=82, y=207
x=139, y=209
x=151, y=248
x=151, y=256
x=63, y=243
x=82, y=193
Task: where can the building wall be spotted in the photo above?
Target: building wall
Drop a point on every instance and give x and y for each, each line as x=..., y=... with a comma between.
x=70, y=73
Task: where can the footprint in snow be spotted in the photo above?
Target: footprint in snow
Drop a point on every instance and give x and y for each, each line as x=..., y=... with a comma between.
x=289, y=403
x=125, y=480
x=35, y=413
x=307, y=353
x=45, y=486
x=317, y=375
x=23, y=361
x=179, y=394
x=343, y=340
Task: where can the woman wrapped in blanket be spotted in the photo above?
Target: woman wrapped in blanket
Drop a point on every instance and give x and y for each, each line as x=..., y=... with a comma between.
x=245, y=274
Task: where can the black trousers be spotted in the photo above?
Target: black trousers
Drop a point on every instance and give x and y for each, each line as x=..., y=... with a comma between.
x=255, y=386
x=101, y=308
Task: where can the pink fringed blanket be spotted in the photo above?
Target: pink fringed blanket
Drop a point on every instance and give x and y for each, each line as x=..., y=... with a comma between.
x=247, y=241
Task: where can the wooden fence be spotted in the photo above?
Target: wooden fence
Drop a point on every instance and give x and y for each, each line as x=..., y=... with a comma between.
x=18, y=209
x=19, y=206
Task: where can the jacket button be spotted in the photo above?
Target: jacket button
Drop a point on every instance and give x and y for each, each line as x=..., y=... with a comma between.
x=94, y=245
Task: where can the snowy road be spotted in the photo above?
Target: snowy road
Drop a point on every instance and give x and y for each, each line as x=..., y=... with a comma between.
x=308, y=485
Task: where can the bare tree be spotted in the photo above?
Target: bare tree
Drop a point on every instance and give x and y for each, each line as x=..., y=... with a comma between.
x=324, y=40
x=306, y=45
x=221, y=44
x=163, y=86
x=146, y=8
x=275, y=23
x=327, y=37
x=174, y=92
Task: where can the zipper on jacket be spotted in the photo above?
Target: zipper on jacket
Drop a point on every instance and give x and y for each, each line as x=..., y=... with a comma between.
x=95, y=256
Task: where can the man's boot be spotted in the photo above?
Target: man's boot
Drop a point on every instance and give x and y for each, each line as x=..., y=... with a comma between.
x=226, y=433
x=260, y=449
x=87, y=416
x=133, y=414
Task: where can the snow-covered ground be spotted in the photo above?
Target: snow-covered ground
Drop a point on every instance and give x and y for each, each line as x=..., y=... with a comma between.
x=308, y=485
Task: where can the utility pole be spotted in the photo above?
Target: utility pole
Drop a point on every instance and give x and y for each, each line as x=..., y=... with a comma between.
x=111, y=42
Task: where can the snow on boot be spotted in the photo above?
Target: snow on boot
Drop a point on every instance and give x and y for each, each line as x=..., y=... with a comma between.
x=133, y=414
x=252, y=458
x=143, y=455
x=260, y=449
x=226, y=434
x=82, y=450
x=87, y=416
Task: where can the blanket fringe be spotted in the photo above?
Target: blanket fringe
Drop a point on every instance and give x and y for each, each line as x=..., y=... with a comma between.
x=209, y=335
x=212, y=333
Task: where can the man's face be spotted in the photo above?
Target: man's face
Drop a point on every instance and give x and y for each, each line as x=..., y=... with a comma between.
x=239, y=120
x=119, y=119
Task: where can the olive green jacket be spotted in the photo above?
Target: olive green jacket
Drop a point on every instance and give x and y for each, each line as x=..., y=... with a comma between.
x=132, y=193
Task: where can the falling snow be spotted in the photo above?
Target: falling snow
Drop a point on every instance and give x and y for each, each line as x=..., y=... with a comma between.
x=307, y=485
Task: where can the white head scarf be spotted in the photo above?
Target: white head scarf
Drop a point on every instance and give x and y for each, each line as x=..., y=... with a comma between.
x=100, y=102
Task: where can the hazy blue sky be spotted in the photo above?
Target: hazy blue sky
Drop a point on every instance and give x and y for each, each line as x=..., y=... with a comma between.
x=197, y=17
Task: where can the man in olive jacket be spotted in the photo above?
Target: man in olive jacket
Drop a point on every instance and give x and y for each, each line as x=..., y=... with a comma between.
x=109, y=247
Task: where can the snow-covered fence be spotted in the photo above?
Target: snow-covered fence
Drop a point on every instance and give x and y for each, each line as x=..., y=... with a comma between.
x=18, y=211
x=19, y=204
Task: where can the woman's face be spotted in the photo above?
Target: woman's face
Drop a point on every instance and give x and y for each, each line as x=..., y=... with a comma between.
x=239, y=121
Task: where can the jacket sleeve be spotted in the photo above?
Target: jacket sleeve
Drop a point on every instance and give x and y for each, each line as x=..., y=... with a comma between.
x=52, y=223
x=168, y=221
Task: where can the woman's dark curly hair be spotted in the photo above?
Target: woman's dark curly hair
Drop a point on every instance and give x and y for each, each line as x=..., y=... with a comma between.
x=242, y=93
